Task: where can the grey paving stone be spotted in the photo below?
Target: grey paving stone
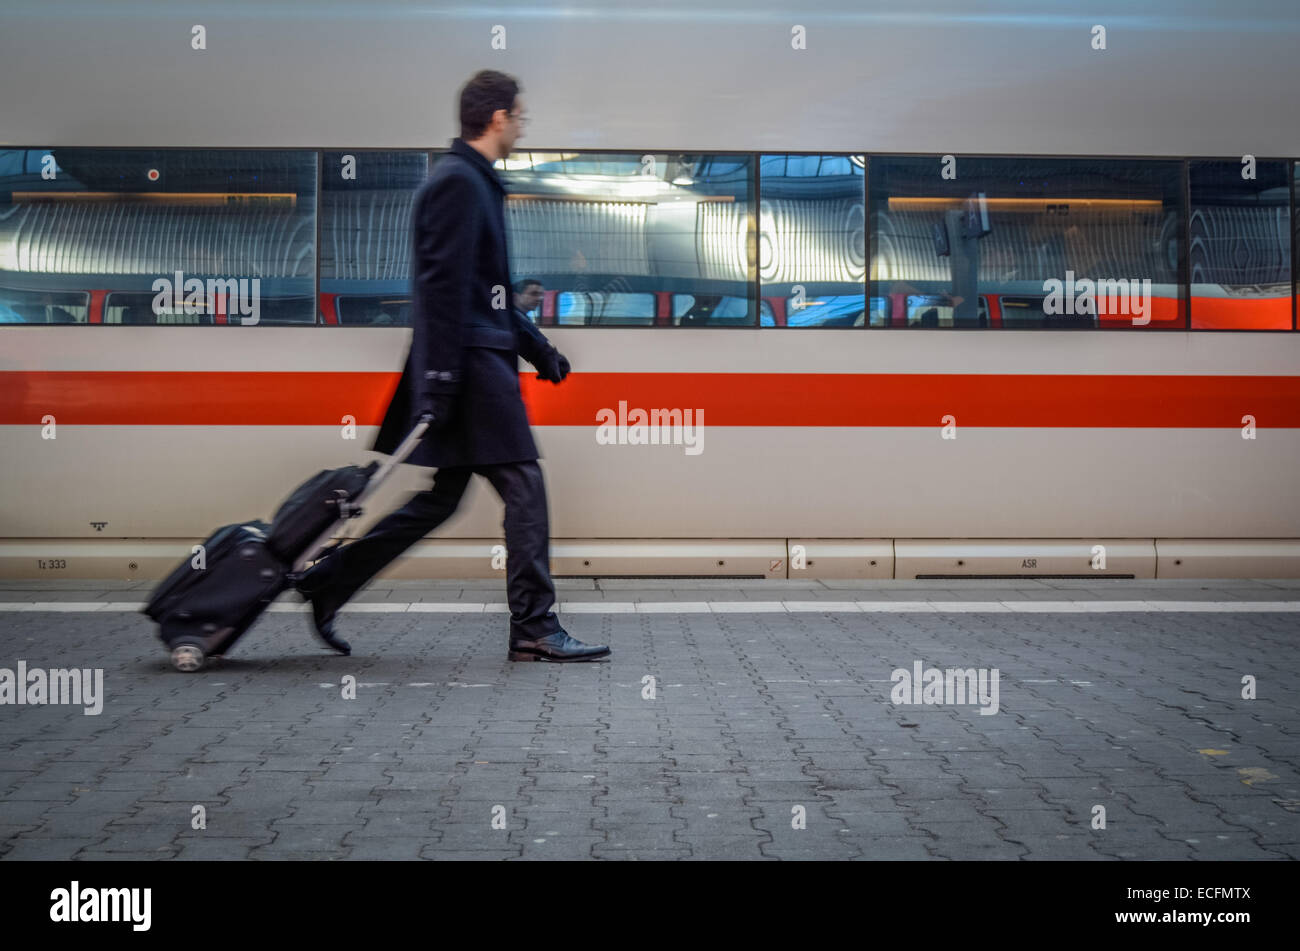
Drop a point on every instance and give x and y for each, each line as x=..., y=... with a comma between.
x=1144, y=848
x=326, y=837
x=25, y=812
x=1033, y=825
x=883, y=848
x=869, y=824
x=48, y=848
x=438, y=854
x=726, y=848
x=158, y=855
x=388, y=849
x=997, y=801
x=220, y=849
x=469, y=838
x=342, y=792
x=611, y=853
x=122, y=838
x=979, y=851
x=791, y=848
x=41, y=792
x=1065, y=848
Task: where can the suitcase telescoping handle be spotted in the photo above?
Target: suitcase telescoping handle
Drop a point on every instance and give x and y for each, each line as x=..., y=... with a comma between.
x=352, y=507
x=392, y=462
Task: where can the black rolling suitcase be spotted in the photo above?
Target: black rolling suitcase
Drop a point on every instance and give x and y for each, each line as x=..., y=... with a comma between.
x=203, y=608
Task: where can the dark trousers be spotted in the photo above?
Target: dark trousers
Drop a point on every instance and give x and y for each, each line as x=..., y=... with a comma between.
x=528, y=578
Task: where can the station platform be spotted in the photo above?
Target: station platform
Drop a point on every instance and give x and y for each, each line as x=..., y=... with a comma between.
x=736, y=719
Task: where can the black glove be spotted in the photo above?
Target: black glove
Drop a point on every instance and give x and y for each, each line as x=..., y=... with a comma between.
x=438, y=398
x=437, y=406
x=553, y=367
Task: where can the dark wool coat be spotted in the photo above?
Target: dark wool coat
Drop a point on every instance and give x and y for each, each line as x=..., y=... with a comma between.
x=460, y=269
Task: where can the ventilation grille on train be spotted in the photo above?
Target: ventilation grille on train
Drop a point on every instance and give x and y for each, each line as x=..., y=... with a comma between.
x=974, y=577
x=668, y=577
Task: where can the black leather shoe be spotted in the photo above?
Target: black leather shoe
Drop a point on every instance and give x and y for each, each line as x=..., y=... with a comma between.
x=558, y=648
x=322, y=618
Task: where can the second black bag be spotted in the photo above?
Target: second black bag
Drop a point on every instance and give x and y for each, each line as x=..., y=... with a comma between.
x=313, y=507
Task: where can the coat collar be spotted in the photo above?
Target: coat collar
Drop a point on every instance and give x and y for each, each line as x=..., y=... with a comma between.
x=472, y=155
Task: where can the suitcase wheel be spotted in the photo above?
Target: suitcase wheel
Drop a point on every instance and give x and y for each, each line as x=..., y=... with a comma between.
x=187, y=658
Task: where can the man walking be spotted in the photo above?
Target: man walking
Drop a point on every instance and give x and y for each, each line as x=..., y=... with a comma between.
x=463, y=371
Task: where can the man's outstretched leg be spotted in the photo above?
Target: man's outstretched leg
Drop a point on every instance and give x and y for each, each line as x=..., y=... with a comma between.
x=535, y=631
x=331, y=582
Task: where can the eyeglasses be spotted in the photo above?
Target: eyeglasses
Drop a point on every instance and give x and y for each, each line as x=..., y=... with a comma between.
x=518, y=117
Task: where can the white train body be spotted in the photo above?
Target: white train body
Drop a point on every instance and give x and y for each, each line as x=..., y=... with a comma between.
x=830, y=452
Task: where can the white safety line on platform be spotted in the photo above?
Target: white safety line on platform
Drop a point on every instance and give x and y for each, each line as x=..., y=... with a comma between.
x=723, y=607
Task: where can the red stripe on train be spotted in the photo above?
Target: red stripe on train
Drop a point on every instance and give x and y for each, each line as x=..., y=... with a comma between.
x=728, y=399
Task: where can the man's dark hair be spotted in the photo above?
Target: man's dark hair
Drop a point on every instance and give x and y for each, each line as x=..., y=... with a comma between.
x=485, y=93
x=521, y=286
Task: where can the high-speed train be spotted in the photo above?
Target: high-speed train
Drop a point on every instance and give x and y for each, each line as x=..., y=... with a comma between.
x=797, y=357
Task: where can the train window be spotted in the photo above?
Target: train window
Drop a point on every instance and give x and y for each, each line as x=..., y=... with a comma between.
x=833, y=312
x=585, y=308
x=217, y=309
x=224, y=227
x=1074, y=242
x=710, y=310
x=1240, y=245
x=42, y=307
x=375, y=310
x=828, y=310
x=812, y=239
x=942, y=310
x=612, y=230
x=879, y=311
x=365, y=235
x=137, y=309
x=1027, y=312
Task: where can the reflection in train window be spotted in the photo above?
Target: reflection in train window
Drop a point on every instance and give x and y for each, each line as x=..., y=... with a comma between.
x=812, y=239
x=824, y=311
x=98, y=222
x=879, y=311
x=610, y=231
x=372, y=311
x=1028, y=312
x=1240, y=246
x=137, y=309
x=940, y=310
x=588, y=308
x=43, y=307
x=219, y=309
x=828, y=311
x=631, y=239
x=1095, y=242
x=365, y=235
x=710, y=310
